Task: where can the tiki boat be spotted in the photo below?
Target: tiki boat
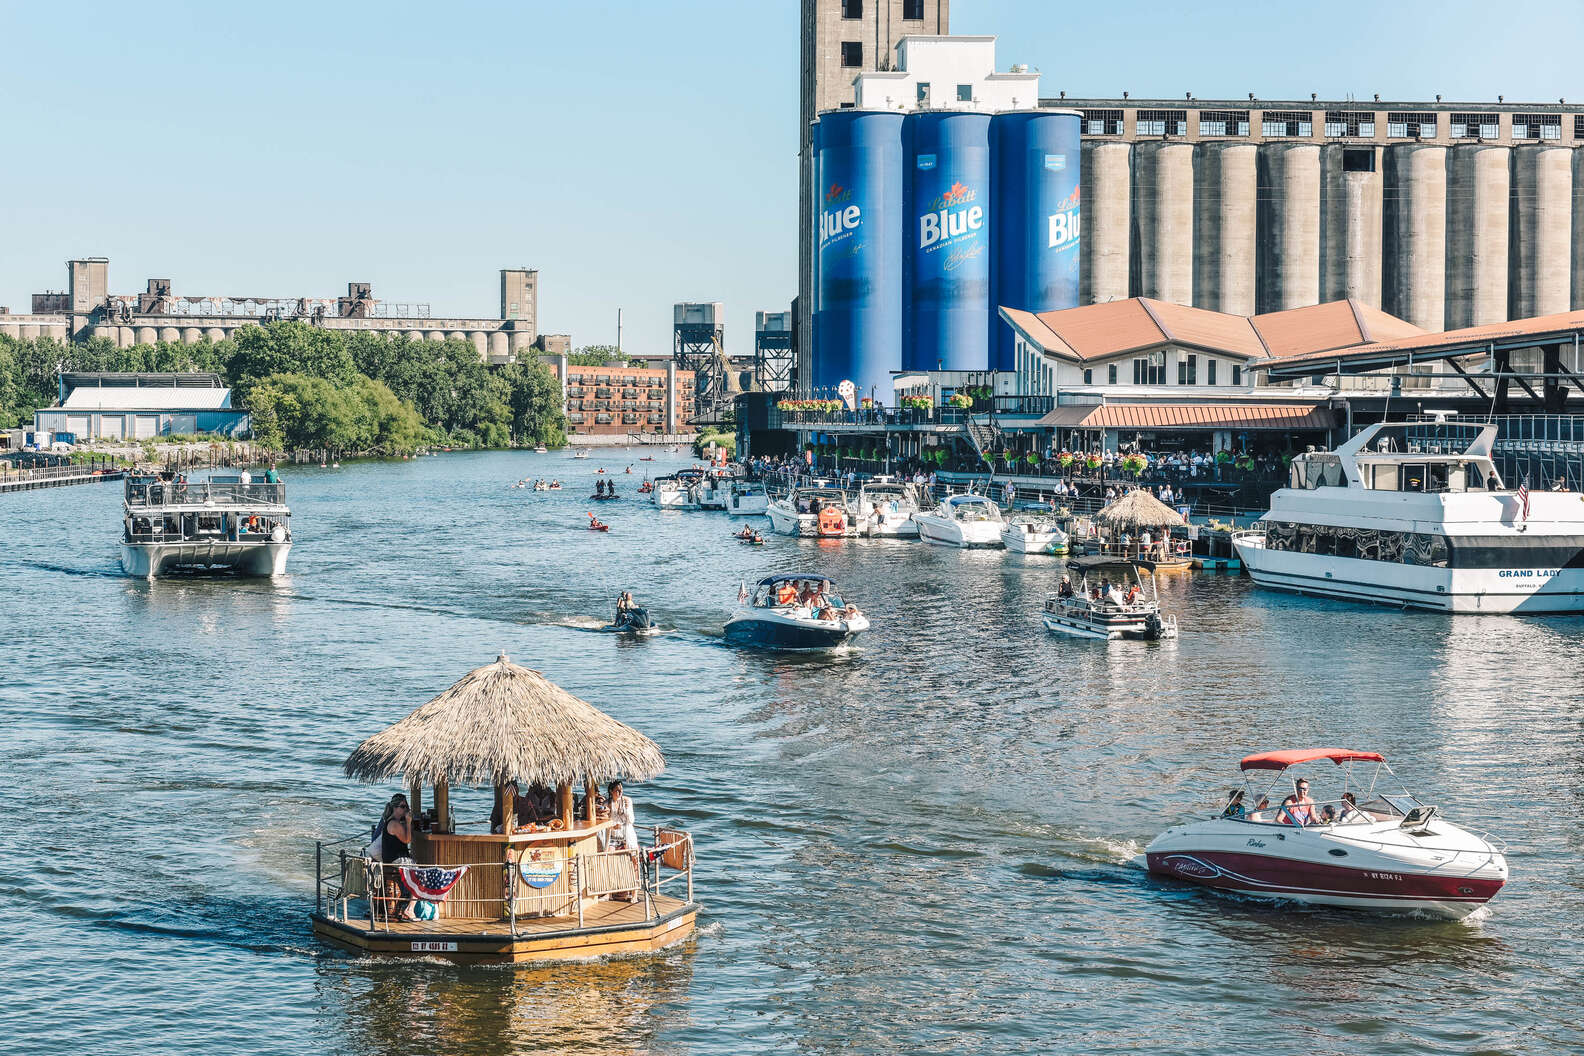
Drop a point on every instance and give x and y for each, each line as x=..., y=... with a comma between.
x=560, y=889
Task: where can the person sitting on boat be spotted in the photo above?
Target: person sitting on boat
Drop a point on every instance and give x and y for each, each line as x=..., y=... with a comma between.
x=1328, y=815
x=786, y=593
x=1348, y=810
x=1066, y=589
x=624, y=605
x=541, y=802
x=1234, y=807
x=1298, y=808
x=1133, y=594
x=396, y=850
x=1114, y=596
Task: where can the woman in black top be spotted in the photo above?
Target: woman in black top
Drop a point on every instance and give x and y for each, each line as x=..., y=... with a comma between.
x=395, y=845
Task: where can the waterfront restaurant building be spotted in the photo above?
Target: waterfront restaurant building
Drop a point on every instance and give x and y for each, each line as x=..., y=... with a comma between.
x=142, y=407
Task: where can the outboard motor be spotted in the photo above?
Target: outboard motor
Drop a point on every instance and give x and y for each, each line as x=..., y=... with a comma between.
x=1154, y=627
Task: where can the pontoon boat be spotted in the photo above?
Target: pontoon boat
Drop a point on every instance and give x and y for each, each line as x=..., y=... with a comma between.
x=1091, y=604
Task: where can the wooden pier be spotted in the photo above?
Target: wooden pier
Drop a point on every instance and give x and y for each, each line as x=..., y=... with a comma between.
x=54, y=476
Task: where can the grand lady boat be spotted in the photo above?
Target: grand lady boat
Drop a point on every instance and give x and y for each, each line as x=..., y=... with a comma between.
x=568, y=886
x=1415, y=514
x=217, y=523
x=1380, y=849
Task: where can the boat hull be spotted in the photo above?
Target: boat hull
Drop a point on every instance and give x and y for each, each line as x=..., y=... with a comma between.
x=770, y=633
x=152, y=560
x=1458, y=591
x=891, y=526
x=965, y=536
x=1345, y=866
x=1018, y=542
x=747, y=505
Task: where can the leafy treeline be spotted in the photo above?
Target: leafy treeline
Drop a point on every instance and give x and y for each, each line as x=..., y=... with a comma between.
x=306, y=387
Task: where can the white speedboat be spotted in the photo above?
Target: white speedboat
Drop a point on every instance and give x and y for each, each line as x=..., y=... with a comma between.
x=709, y=492
x=747, y=498
x=541, y=450
x=1034, y=535
x=817, y=511
x=962, y=521
x=1100, y=607
x=1414, y=514
x=1364, y=847
x=679, y=491
x=581, y=452
x=215, y=524
x=885, y=509
x=794, y=612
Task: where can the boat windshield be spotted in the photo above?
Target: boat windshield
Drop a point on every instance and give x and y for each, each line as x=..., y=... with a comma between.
x=1320, y=796
x=810, y=593
x=974, y=508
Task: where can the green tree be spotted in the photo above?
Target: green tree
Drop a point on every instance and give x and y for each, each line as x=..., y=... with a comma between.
x=594, y=355
x=287, y=346
x=537, y=413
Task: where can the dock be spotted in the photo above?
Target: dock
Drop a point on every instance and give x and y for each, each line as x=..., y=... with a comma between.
x=54, y=476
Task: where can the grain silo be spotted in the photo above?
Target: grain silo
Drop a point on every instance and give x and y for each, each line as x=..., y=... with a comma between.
x=1225, y=200
x=1289, y=227
x=1163, y=191
x=1107, y=186
x=947, y=210
x=1035, y=167
x=858, y=310
x=1477, y=194
x=1350, y=224
x=1542, y=207
x=1413, y=282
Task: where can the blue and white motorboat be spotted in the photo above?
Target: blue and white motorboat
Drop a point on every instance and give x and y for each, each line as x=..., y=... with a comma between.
x=794, y=612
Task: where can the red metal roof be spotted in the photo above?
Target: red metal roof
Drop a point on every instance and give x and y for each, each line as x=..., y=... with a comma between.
x=1451, y=342
x=1293, y=756
x=1283, y=416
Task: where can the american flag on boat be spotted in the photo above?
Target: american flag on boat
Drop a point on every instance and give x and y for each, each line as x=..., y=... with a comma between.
x=1523, y=497
x=430, y=882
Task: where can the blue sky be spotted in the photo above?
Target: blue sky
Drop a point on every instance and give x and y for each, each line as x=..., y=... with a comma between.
x=636, y=153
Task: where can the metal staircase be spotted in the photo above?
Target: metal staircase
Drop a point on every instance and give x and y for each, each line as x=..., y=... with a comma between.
x=983, y=434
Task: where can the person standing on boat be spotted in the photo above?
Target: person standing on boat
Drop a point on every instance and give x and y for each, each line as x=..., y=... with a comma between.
x=396, y=850
x=271, y=476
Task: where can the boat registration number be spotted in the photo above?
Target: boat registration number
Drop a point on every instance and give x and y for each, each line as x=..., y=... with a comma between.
x=1384, y=876
x=434, y=947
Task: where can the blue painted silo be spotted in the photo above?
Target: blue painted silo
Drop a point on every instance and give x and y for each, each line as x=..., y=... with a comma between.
x=858, y=202
x=1034, y=160
x=947, y=204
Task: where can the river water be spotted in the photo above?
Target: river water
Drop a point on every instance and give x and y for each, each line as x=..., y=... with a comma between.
x=921, y=846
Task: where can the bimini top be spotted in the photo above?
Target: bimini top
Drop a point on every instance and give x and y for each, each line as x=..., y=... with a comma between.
x=1293, y=756
x=794, y=577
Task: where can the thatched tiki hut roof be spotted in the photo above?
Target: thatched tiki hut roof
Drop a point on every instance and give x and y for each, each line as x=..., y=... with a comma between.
x=503, y=721
x=1139, y=509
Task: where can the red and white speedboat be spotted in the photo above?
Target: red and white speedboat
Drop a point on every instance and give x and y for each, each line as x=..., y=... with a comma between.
x=1365, y=848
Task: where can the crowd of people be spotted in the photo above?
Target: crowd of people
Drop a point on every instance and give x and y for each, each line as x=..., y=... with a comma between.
x=1296, y=809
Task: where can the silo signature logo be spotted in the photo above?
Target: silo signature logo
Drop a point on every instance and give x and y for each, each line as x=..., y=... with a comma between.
x=957, y=195
x=838, y=193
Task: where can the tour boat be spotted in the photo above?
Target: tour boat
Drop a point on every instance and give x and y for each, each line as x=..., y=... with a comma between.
x=558, y=887
x=885, y=509
x=1122, y=610
x=215, y=524
x=1415, y=514
x=800, y=512
x=1034, y=535
x=1380, y=849
x=747, y=498
x=963, y=521
x=778, y=615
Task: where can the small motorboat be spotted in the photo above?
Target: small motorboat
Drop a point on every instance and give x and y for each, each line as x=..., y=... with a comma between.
x=794, y=612
x=965, y=521
x=541, y=450
x=1034, y=535
x=555, y=485
x=581, y=452
x=800, y=511
x=1368, y=847
x=1111, y=609
x=885, y=509
x=747, y=498
x=630, y=617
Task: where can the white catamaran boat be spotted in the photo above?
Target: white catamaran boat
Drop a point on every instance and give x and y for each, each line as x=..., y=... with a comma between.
x=1034, y=535
x=965, y=521
x=886, y=508
x=1414, y=514
x=218, y=524
x=817, y=510
x=1368, y=847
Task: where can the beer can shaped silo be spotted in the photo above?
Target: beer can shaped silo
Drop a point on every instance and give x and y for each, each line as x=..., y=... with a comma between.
x=946, y=246
x=858, y=310
x=1036, y=223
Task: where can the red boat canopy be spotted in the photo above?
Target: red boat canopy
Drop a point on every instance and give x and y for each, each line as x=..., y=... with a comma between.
x=1293, y=756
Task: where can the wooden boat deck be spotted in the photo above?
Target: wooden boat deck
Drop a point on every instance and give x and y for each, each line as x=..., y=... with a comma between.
x=599, y=915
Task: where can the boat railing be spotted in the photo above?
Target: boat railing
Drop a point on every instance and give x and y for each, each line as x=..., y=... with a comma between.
x=158, y=493
x=350, y=886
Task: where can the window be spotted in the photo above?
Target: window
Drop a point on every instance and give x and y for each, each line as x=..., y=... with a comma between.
x=913, y=10
x=965, y=93
x=1475, y=126
x=1578, y=126
x=1223, y=122
x=1288, y=124
x=1193, y=370
x=1237, y=374
x=852, y=53
x=1108, y=123
x=1088, y=377
x=1210, y=369
x=1349, y=124
x=1410, y=125
x=1182, y=370
x=1162, y=123
x=1111, y=374
x=1147, y=373
x=1358, y=159
x=1537, y=126
x=852, y=8
x=923, y=93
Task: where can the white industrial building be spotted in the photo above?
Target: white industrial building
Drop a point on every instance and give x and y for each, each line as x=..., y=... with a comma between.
x=947, y=73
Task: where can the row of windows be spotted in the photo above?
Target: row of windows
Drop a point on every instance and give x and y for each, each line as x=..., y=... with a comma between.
x=1148, y=373
x=1425, y=548
x=964, y=92
x=1339, y=124
x=625, y=380
x=912, y=10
